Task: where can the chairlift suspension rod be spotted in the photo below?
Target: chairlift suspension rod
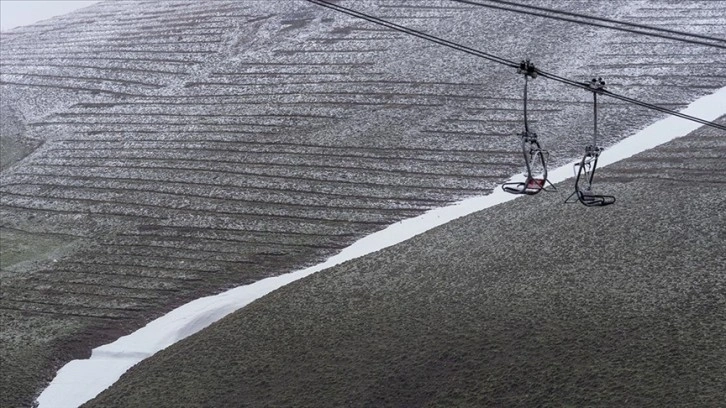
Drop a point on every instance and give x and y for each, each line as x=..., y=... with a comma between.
x=594, y=122
x=596, y=86
x=526, y=122
x=528, y=69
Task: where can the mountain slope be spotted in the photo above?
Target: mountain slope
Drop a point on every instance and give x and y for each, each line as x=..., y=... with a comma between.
x=168, y=150
x=530, y=303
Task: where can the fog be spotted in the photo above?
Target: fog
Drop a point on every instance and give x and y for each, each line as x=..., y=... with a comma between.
x=15, y=13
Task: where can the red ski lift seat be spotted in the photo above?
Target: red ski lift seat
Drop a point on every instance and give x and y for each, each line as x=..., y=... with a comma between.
x=535, y=160
x=534, y=157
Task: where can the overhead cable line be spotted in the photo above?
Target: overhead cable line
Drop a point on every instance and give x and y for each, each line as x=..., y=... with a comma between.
x=416, y=33
x=640, y=30
x=585, y=86
x=503, y=61
x=625, y=23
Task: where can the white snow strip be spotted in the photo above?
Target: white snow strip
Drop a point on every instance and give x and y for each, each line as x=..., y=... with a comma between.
x=81, y=380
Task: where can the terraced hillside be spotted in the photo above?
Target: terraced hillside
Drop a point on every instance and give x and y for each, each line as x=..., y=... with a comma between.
x=156, y=151
x=529, y=303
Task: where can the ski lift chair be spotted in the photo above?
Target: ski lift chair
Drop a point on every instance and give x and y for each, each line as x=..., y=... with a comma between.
x=536, y=161
x=534, y=157
x=585, y=169
x=584, y=175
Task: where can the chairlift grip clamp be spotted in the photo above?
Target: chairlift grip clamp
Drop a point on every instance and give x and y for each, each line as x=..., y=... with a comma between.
x=596, y=85
x=527, y=68
x=592, y=150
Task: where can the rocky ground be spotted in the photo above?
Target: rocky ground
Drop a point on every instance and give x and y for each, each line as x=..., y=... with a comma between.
x=530, y=303
x=157, y=151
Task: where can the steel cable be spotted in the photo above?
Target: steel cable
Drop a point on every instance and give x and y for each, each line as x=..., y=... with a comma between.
x=595, y=24
x=506, y=62
x=625, y=23
x=416, y=33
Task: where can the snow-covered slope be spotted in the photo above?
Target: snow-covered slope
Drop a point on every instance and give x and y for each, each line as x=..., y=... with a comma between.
x=81, y=380
x=184, y=148
x=528, y=303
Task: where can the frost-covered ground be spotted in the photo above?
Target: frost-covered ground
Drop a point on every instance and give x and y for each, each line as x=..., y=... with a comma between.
x=164, y=151
x=528, y=303
x=81, y=380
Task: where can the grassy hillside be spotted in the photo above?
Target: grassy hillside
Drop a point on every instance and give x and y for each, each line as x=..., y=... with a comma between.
x=161, y=151
x=530, y=303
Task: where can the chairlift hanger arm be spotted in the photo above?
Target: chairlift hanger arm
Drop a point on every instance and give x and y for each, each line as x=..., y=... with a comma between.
x=527, y=69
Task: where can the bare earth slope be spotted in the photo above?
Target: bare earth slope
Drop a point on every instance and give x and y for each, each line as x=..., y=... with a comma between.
x=157, y=151
x=530, y=303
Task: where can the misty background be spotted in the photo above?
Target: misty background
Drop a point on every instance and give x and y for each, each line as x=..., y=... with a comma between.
x=16, y=13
